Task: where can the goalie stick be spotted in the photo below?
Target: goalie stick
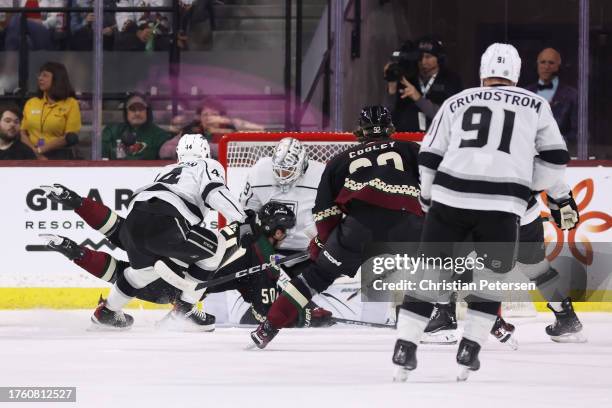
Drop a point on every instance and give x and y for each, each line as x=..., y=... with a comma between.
x=299, y=257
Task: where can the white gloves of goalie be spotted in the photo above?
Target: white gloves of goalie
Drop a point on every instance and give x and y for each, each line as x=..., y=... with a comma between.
x=565, y=212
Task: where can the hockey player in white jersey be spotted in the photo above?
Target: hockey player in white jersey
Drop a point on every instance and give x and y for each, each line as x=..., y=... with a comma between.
x=158, y=237
x=486, y=150
x=288, y=177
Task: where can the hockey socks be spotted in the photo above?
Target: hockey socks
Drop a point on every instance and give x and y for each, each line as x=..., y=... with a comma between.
x=413, y=318
x=100, y=217
x=480, y=318
x=127, y=286
x=101, y=265
x=283, y=312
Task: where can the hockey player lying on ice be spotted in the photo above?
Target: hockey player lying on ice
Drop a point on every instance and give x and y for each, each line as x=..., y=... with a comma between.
x=276, y=218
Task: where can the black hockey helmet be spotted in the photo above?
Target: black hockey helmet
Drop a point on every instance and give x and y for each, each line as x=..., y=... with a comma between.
x=374, y=123
x=275, y=215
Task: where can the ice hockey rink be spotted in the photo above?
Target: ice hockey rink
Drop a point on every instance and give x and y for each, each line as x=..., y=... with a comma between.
x=342, y=366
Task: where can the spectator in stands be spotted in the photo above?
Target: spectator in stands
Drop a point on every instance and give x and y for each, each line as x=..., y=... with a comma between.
x=145, y=30
x=137, y=138
x=563, y=98
x=42, y=27
x=213, y=122
x=11, y=147
x=52, y=119
x=168, y=149
x=197, y=24
x=81, y=26
x=420, y=93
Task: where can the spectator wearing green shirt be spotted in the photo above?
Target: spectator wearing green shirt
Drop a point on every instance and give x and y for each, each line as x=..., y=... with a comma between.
x=137, y=138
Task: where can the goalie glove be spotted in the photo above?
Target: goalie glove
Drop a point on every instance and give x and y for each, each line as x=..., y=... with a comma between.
x=564, y=212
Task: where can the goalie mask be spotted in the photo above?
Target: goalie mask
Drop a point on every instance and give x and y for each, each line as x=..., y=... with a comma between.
x=192, y=147
x=276, y=216
x=289, y=162
x=374, y=123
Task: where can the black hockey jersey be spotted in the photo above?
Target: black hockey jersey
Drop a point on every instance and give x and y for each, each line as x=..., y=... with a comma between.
x=382, y=173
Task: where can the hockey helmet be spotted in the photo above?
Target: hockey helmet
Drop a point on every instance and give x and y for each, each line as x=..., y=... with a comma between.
x=289, y=161
x=374, y=123
x=500, y=61
x=274, y=216
x=192, y=147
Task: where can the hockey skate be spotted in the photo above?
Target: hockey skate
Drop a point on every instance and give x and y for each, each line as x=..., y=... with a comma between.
x=442, y=326
x=263, y=335
x=64, y=246
x=62, y=195
x=105, y=319
x=566, y=328
x=404, y=358
x=467, y=358
x=186, y=317
x=504, y=333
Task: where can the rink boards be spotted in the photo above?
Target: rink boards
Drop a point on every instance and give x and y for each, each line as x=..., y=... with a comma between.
x=32, y=278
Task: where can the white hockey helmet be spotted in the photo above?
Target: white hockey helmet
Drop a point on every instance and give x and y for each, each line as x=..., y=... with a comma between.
x=192, y=147
x=289, y=161
x=500, y=61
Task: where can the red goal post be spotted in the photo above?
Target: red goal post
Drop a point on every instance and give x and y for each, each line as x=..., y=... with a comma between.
x=243, y=149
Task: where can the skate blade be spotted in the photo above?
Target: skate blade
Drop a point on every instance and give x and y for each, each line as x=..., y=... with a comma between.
x=51, y=239
x=464, y=373
x=97, y=327
x=570, y=338
x=177, y=325
x=512, y=343
x=442, y=337
x=401, y=374
x=251, y=346
x=51, y=189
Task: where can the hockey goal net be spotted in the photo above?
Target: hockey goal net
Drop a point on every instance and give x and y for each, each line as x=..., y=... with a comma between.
x=238, y=152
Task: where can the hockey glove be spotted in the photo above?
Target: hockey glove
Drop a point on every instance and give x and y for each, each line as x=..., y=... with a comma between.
x=565, y=212
x=315, y=247
x=248, y=230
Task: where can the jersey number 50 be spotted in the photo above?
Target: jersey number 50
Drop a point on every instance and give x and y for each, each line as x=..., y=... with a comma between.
x=483, y=127
x=381, y=160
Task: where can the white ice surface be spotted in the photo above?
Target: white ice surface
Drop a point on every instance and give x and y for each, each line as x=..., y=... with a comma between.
x=335, y=367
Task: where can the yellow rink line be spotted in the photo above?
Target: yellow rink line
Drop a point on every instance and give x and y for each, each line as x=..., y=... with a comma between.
x=87, y=298
x=61, y=298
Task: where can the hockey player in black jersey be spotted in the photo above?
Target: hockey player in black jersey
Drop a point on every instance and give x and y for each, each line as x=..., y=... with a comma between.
x=367, y=193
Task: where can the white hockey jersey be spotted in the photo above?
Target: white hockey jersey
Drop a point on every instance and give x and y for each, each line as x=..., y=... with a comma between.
x=193, y=188
x=489, y=147
x=261, y=188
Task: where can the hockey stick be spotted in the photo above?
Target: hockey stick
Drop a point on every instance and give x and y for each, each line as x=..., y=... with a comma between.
x=362, y=323
x=382, y=276
x=299, y=257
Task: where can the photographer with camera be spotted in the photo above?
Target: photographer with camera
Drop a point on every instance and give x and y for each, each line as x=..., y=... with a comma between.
x=418, y=79
x=137, y=138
